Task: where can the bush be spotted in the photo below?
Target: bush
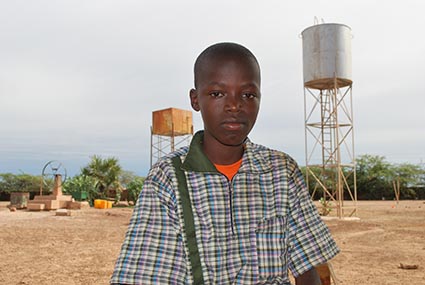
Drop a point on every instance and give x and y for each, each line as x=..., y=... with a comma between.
x=134, y=188
x=21, y=183
x=80, y=184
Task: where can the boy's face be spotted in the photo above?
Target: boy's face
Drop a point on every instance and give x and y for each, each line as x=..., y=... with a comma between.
x=228, y=96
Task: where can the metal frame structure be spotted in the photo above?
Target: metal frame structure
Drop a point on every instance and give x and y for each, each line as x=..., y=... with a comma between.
x=164, y=144
x=329, y=144
x=171, y=128
x=51, y=171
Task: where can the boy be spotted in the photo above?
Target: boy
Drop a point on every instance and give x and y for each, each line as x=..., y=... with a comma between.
x=252, y=217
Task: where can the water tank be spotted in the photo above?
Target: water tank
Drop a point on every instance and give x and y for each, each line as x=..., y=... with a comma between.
x=327, y=56
x=172, y=122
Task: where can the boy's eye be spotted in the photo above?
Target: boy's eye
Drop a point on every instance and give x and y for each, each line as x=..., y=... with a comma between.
x=216, y=94
x=249, y=95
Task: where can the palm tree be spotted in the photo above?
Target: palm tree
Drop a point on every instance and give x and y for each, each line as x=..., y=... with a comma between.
x=106, y=173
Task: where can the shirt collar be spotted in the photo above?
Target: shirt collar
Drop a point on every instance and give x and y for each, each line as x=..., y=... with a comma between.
x=252, y=161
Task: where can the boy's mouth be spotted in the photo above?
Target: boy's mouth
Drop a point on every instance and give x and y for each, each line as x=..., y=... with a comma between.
x=232, y=126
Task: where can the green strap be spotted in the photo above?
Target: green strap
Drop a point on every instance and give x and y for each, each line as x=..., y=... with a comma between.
x=189, y=223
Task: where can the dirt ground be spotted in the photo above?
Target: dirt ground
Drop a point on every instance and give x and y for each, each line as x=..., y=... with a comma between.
x=42, y=248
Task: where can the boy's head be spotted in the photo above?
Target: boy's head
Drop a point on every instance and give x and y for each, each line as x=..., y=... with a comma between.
x=216, y=51
x=227, y=92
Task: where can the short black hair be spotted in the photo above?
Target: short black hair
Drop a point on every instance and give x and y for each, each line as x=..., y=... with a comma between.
x=222, y=49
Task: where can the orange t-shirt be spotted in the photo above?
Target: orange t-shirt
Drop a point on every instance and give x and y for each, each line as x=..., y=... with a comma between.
x=230, y=169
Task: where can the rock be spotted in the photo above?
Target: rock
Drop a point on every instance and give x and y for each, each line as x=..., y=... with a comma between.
x=408, y=266
x=63, y=212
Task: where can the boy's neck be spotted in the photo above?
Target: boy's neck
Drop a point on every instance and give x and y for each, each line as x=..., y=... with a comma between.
x=223, y=154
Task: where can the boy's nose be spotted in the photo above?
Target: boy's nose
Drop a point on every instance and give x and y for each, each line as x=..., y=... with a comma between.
x=233, y=103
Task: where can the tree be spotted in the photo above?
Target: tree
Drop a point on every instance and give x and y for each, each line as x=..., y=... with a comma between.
x=410, y=176
x=374, y=176
x=127, y=177
x=82, y=184
x=134, y=188
x=19, y=183
x=106, y=173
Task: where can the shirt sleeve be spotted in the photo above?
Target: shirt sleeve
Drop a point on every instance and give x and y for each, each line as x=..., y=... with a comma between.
x=311, y=243
x=152, y=252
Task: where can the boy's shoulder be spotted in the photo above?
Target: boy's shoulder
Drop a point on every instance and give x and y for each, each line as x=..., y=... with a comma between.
x=270, y=155
x=164, y=165
x=267, y=152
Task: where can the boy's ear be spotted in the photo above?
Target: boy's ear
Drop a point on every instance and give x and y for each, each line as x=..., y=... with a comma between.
x=194, y=99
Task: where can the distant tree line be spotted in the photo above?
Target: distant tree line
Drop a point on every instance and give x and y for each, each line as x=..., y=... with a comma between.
x=19, y=183
x=101, y=178
x=376, y=179
x=104, y=177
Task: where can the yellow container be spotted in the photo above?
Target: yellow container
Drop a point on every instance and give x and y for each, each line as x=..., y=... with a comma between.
x=102, y=204
x=97, y=204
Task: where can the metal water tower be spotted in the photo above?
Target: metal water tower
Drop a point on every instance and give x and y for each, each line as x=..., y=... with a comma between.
x=170, y=128
x=328, y=114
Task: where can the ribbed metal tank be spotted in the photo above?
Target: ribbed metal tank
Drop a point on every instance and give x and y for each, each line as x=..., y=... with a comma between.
x=327, y=56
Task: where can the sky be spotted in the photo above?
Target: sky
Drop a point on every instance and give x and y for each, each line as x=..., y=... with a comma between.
x=82, y=77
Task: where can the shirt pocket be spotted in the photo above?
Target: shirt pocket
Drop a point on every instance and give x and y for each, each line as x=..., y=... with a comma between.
x=271, y=247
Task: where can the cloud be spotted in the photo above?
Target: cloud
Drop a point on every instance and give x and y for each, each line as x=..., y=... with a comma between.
x=79, y=78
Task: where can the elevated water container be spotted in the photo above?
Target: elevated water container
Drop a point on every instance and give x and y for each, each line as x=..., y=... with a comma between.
x=327, y=56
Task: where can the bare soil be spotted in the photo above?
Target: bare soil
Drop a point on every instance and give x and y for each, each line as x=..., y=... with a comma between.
x=42, y=248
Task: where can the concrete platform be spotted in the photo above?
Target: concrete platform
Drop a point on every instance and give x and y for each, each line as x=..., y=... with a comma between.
x=51, y=202
x=35, y=206
x=78, y=205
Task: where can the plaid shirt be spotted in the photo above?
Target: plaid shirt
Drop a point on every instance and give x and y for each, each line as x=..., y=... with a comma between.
x=250, y=230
